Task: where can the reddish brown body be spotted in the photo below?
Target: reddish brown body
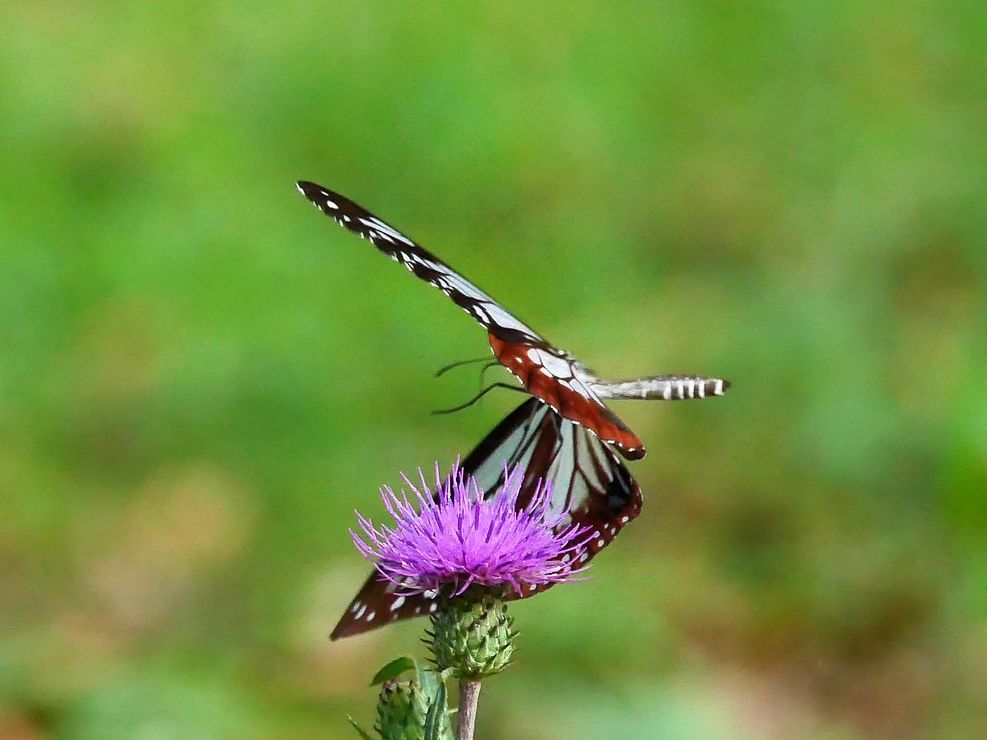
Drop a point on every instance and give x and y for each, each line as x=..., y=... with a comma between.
x=567, y=394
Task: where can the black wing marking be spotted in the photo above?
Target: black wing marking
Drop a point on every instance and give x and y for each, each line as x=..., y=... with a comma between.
x=546, y=445
x=494, y=317
x=589, y=481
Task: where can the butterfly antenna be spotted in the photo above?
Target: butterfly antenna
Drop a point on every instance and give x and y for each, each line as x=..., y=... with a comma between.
x=478, y=396
x=443, y=370
x=483, y=371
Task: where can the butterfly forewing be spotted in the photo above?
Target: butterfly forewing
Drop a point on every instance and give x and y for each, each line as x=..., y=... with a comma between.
x=425, y=265
x=588, y=481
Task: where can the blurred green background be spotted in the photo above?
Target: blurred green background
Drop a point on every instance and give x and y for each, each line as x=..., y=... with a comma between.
x=201, y=377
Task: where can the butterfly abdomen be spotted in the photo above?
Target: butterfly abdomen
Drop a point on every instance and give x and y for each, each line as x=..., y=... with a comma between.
x=663, y=388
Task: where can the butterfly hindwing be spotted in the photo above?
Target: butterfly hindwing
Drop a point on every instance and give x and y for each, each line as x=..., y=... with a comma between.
x=376, y=605
x=588, y=480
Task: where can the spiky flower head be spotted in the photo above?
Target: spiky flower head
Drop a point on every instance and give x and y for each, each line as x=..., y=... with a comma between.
x=454, y=539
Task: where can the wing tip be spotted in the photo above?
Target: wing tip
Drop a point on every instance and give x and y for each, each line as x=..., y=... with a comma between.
x=307, y=187
x=632, y=453
x=339, y=632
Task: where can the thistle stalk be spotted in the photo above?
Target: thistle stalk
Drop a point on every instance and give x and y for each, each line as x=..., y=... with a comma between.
x=469, y=695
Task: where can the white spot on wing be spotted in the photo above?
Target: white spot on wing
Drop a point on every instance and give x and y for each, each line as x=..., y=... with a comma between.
x=375, y=223
x=557, y=366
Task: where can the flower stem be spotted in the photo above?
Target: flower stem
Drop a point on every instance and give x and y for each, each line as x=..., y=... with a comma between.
x=469, y=693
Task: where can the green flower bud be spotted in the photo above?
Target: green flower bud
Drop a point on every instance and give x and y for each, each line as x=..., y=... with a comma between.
x=401, y=710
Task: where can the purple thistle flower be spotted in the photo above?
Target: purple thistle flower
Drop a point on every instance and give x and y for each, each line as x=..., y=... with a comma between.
x=456, y=539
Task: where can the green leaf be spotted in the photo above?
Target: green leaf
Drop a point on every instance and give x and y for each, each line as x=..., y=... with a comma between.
x=394, y=669
x=360, y=731
x=436, y=717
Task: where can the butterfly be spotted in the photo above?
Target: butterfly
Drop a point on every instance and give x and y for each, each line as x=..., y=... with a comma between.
x=564, y=434
x=549, y=374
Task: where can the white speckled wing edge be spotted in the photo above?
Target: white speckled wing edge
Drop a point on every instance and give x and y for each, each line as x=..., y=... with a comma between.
x=418, y=260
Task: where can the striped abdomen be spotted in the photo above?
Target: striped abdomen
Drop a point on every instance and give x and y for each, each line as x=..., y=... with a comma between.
x=662, y=388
